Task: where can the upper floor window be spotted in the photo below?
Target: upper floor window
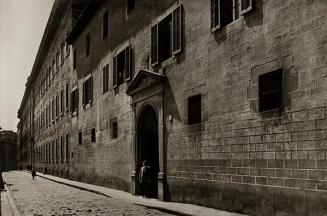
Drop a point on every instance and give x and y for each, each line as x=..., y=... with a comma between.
x=224, y=12
x=130, y=6
x=57, y=61
x=74, y=59
x=62, y=101
x=114, y=128
x=87, y=44
x=271, y=90
x=80, y=138
x=105, y=25
x=88, y=91
x=105, y=79
x=74, y=100
x=166, y=37
x=67, y=96
x=62, y=52
x=122, y=67
x=67, y=46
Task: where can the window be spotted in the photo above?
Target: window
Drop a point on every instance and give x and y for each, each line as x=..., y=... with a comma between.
x=53, y=110
x=57, y=105
x=62, y=52
x=53, y=69
x=105, y=79
x=87, y=44
x=57, y=151
x=224, y=12
x=271, y=90
x=74, y=100
x=62, y=101
x=88, y=91
x=74, y=59
x=57, y=61
x=130, y=6
x=93, y=135
x=166, y=37
x=67, y=96
x=62, y=149
x=122, y=67
x=105, y=25
x=114, y=128
x=67, y=46
x=194, y=109
x=80, y=138
x=67, y=148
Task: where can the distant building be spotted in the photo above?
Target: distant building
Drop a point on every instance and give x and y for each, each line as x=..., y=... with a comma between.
x=226, y=100
x=8, y=150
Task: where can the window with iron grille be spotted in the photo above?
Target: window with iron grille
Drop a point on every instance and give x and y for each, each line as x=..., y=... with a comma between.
x=194, y=109
x=271, y=91
x=93, y=135
x=80, y=138
x=114, y=128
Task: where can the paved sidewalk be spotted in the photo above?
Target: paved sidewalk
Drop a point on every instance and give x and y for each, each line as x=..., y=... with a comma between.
x=169, y=207
x=8, y=207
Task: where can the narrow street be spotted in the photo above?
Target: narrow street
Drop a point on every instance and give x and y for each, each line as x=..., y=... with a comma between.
x=41, y=197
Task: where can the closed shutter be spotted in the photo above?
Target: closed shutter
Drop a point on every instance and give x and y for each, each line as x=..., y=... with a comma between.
x=114, y=72
x=215, y=15
x=154, y=45
x=128, y=63
x=246, y=6
x=177, y=30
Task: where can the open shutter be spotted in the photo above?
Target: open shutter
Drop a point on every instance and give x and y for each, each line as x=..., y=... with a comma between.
x=215, y=15
x=114, y=72
x=154, y=45
x=84, y=94
x=246, y=6
x=76, y=99
x=91, y=89
x=128, y=63
x=177, y=30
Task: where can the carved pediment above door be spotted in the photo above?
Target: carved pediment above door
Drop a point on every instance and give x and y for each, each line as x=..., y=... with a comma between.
x=143, y=80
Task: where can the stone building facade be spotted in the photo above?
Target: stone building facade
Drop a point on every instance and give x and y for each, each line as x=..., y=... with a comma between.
x=225, y=99
x=8, y=150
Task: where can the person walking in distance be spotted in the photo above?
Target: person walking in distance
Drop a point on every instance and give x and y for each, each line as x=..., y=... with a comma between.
x=145, y=179
x=33, y=173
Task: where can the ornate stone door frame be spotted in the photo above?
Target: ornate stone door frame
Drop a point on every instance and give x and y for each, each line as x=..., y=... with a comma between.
x=147, y=88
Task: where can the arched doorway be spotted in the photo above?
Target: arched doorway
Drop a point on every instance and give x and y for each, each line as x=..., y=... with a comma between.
x=148, y=145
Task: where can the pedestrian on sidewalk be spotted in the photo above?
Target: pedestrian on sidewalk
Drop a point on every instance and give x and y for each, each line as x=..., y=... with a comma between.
x=33, y=173
x=2, y=184
x=145, y=179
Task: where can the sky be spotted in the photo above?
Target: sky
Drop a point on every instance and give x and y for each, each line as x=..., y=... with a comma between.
x=22, y=23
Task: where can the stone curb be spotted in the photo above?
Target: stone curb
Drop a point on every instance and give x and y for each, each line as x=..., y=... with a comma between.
x=12, y=203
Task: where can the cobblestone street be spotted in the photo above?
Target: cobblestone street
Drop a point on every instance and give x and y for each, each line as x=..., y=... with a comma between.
x=43, y=197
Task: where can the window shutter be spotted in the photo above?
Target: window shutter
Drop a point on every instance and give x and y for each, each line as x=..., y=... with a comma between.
x=215, y=15
x=84, y=92
x=154, y=45
x=177, y=30
x=128, y=63
x=90, y=89
x=246, y=6
x=76, y=99
x=114, y=72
